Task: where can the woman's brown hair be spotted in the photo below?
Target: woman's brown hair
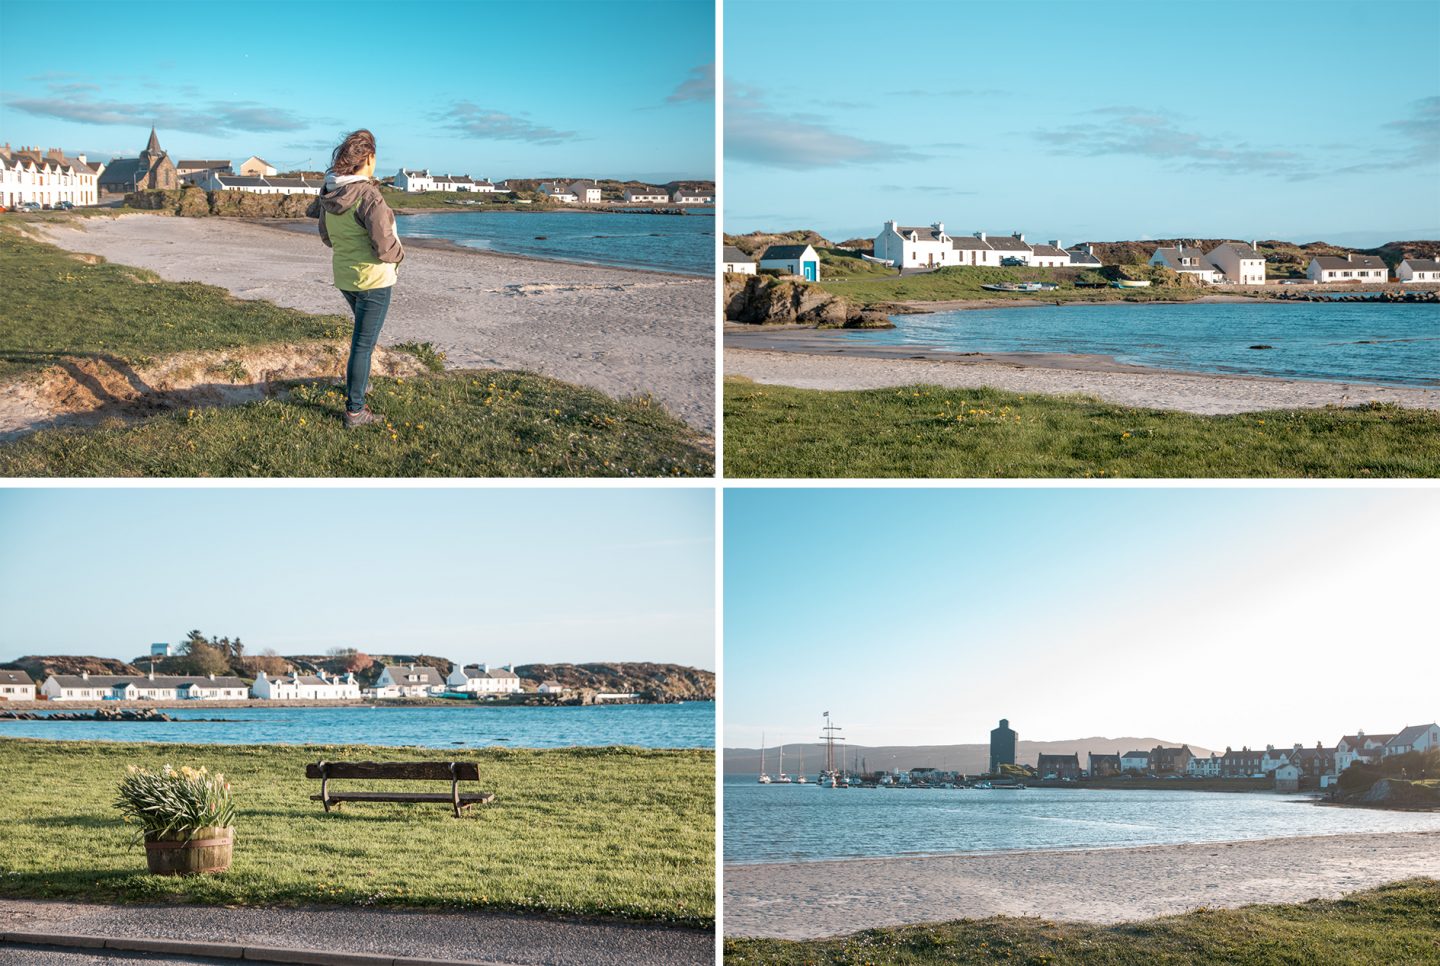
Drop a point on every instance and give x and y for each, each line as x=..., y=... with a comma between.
x=353, y=152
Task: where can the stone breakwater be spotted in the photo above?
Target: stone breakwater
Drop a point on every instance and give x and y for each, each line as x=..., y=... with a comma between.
x=1377, y=297
x=99, y=714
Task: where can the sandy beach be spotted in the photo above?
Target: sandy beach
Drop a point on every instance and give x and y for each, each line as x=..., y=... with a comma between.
x=807, y=359
x=620, y=331
x=816, y=899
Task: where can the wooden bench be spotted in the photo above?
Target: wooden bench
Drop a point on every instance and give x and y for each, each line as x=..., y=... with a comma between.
x=453, y=772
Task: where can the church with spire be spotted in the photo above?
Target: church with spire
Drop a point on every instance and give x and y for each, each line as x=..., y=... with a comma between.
x=153, y=169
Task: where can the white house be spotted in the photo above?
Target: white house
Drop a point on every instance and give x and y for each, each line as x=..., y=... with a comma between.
x=47, y=178
x=1187, y=261
x=257, y=167
x=558, y=192
x=737, y=262
x=1049, y=256
x=794, y=260
x=1418, y=270
x=193, y=172
x=585, y=191
x=410, y=680
x=137, y=687
x=1414, y=738
x=1135, y=761
x=1362, y=269
x=974, y=250
x=1241, y=264
x=1083, y=256
x=1274, y=758
x=913, y=247
x=1204, y=767
x=161, y=649
x=305, y=687
x=214, y=181
x=1287, y=777
x=483, y=679
x=1012, y=249
x=690, y=196
x=552, y=687
x=16, y=686
x=1359, y=747
x=647, y=196
x=407, y=180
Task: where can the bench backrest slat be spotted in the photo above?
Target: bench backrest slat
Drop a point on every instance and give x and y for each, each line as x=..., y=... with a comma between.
x=396, y=770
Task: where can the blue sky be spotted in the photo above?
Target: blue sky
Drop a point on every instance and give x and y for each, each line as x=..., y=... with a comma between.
x=494, y=575
x=1087, y=121
x=1213, y=616
x=492, y=89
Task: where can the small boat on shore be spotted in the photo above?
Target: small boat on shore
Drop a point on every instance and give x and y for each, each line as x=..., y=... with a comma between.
x=1021, y=287
x=1130, y=283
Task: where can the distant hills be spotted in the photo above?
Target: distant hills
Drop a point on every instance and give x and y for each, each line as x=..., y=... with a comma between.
x=971, y=759
x=658, y=682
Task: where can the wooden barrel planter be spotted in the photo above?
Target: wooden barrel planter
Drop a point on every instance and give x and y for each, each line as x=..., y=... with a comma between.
x=208, y=850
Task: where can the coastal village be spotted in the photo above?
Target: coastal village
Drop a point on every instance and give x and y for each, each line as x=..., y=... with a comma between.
x=919, y=249
x=346, y=676
x=1292, y=768
x=33, y=178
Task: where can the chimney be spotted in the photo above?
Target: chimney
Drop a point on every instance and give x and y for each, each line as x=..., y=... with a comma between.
x=152, y=672
x=1020, y=235
x=980, y=235
x=1055, y=243
x=212, y=676
x=84, y=675
x=82, y=159
x=939, y=227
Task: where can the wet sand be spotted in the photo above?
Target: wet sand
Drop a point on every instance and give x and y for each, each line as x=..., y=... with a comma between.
x=810, y=359
x=620, y=331
x=815, y=899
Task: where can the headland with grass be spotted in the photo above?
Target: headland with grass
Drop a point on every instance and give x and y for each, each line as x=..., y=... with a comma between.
x=111, y=368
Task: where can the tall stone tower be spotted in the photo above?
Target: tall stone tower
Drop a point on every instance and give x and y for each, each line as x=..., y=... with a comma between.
x=1002, y=746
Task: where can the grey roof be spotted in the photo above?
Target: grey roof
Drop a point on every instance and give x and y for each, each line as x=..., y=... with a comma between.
x=426, y=673
x=15, y=677
x=202, y=164
x=1408, y=735
x=927, y=231
x=1136, y=754
x=1072, y=757
x=1239, y=248
x=1359, y=740
x=1335, y=262
x=584, y=184
x=968, y=242
x=123, y=171
x=144, y=680
x=647, y=191
x=1172, y=255
x=1008, y=243
x=502, y=673
x=783, y=251
x=733, y=254
x=550, y=684
x=1423, y=264
x=1048, y=250
x=237, y=181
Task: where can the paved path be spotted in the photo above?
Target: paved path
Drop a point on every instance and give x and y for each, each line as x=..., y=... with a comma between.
x=482, y=937
x=50, y=956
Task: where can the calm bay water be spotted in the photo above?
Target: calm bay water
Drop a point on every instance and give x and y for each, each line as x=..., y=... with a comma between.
x=670, y=243
x=1385, y=344
x=804, y=823
x=688, y=725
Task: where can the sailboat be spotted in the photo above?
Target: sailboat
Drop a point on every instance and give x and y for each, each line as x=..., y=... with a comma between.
x=800, y=779
x=764, y=779
x=782, y=778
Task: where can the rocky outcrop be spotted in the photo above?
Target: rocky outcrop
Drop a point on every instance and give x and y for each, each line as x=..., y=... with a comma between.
x=100, y=714
x=1387, y=296
x=767, y=300
x=657, y=683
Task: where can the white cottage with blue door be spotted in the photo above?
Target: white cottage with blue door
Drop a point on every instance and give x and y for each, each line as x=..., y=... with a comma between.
x=794, y=259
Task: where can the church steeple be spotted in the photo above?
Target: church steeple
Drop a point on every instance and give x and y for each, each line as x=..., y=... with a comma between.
x=153, y=148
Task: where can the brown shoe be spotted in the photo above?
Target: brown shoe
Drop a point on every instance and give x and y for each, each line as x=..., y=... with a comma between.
x=362, y=418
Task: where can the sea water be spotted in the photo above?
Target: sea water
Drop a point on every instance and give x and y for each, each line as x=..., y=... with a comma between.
x=1389, y=344
x=683, y=244
x=467, y=725
x=802, y=823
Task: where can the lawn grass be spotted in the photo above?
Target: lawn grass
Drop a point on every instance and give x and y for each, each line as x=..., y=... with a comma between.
x=960, y=283
x=56, y=305
x=621, y=832
x=457, y=423
x=1396, y=923
x=934, y=432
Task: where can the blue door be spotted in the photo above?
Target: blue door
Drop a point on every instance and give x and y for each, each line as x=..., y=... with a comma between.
x=810, y=273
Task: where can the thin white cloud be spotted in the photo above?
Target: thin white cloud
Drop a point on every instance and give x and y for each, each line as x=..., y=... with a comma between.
x=699, y=86
x=757, y=134
x=493, y=125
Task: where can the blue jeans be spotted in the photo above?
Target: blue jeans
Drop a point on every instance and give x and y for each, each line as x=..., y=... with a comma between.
x=369, y=307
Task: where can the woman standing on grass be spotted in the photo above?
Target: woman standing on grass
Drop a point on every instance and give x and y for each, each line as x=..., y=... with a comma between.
x=359, y=226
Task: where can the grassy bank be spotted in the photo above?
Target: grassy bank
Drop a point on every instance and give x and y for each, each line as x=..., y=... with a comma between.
x=960, y=283
x=1397, y=923
x=61, y=307
x=60, y=304
x=456, y=423
x=614, y=832
x=929, y=431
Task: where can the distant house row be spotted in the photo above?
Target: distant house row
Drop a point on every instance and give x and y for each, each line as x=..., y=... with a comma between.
x=932, y=247
x=395, y=681
x=29, y=175
x=423, y=180
x=587, y=192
